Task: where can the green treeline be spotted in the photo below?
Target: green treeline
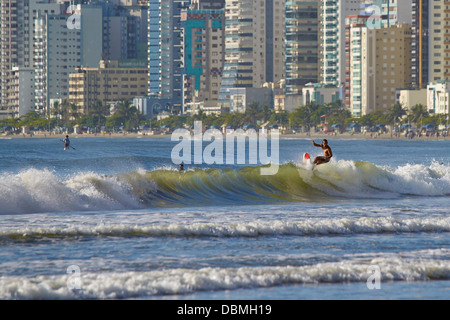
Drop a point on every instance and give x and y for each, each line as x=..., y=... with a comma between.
x=126, y=117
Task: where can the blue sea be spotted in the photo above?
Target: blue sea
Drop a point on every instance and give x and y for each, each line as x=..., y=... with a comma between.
x=115, y=219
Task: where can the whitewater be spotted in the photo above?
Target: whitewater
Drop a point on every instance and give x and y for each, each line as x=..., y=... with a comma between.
x=133, y=227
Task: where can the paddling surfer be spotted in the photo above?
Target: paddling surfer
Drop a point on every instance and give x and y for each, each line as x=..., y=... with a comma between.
x=327, y=153
x=66, y=143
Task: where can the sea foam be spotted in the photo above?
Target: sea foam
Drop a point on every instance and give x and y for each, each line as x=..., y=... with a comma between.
x=157, y=283
x=304, y=227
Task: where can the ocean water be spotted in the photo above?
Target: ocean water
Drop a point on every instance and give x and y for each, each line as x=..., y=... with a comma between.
x=114, y=219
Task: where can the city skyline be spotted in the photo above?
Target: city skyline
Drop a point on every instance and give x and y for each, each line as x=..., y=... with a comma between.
x=219, y=56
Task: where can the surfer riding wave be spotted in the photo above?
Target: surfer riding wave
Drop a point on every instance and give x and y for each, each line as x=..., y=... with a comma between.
x=327, y=153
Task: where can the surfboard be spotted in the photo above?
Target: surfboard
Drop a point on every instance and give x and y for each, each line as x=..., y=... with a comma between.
x=307, y=161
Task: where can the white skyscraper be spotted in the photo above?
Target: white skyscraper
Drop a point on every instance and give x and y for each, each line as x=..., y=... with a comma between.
x=16, y=45
x=57, y=52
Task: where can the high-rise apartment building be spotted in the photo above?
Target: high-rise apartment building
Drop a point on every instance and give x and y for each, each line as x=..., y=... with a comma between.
x=430, y=41
x=16, y=45
x=420, y=43
x=21, y=91
x=275, y=68
x=438, y=40
x=91, y=29
x=122, y=33
x=12, y=48
x=353, y=64
x=332, y=14
x=125, y=29
x=379, y=62
x=254, y=45
x=57, y=53
x=203, y=44
x=164, y=50
x=393, y=64
x=301, y=45
x=59, y=48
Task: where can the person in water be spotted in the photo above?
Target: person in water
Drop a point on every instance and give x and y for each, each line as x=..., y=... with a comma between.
x=181, y=167
x=327, y=153
x=66, y=143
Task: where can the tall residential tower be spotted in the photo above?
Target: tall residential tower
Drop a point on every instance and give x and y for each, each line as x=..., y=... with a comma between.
x=419, y=43
x=203, y=59
x=332, y=14
x=378, y=62
x=164, y=51
x=301, y=44
x=254, y=45
x=16, y=47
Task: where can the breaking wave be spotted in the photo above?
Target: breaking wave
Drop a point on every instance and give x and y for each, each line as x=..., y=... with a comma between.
x=33, y=190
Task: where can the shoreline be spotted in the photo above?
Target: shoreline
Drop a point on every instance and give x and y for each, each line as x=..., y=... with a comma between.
x=305, y=136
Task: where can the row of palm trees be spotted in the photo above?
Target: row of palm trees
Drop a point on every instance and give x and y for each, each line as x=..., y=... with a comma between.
x=309, y=117
x=67, y=115
x=336, y=114
x=416, y=116
x=312, y=117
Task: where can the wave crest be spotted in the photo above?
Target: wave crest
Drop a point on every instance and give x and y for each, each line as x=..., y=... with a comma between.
x=35, y=190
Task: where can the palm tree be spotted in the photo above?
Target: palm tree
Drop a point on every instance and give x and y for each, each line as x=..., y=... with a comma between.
x=128, y=113
x=395, y=114
x=335, y=107
x=266, y=113
x=55, y=111
x=417, y=113
x=74, y=111
x=64, y=110
x=301, y=117
x=280, y=118
x=251, y=114
x=200, y=115
x=126, y=109
x=99, y=110
x=231, y=119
